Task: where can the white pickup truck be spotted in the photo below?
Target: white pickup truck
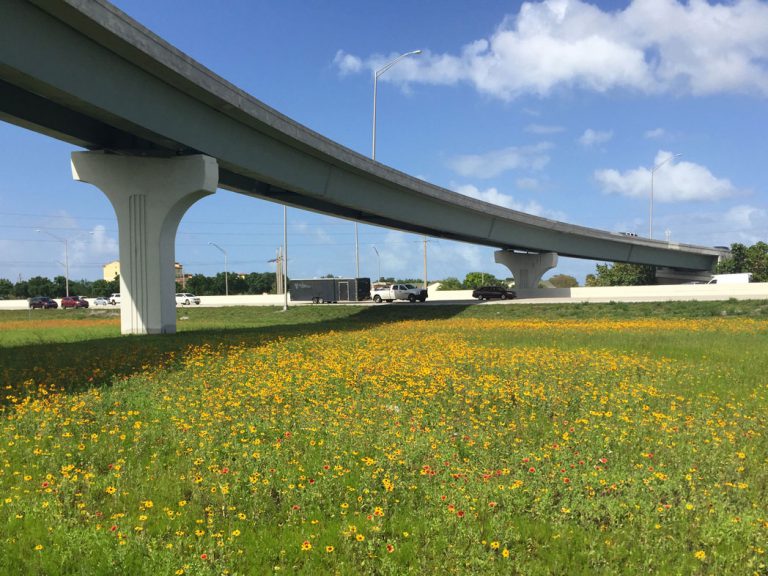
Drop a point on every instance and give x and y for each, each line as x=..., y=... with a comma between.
x=741, y=278
x=393, y=292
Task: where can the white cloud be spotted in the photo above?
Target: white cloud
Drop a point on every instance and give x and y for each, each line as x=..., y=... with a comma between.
x=672, y=182
x=347, y=63
x=496, y=162
x=593, y=137
x=44, y=253
x=93, y=246
x=445, y=255
x=402, y=256
x=747, y=218
x=655, y=134
x=739, y=223
x=650, y=46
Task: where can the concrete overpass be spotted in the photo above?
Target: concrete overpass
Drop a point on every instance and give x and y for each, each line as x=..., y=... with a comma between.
x=163, y=131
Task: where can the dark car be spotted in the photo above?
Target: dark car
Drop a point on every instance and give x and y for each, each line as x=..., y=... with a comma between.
x=74, y=302
x=488, y=292
x=42, y=302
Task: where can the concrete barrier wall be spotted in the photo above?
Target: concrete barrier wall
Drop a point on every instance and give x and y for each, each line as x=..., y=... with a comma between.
x=242, y=300
x=212, y=301
x=751, y=291
x=435, y=294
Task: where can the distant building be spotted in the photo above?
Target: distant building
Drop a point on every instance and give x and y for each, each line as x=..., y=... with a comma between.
x=111, y=270
x=181, y=278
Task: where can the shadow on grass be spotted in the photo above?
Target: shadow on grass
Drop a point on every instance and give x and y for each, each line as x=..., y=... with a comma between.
x=76, y=366
x=86, y=363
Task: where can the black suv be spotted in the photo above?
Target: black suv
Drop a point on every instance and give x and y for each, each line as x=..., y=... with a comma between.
x=488, y=292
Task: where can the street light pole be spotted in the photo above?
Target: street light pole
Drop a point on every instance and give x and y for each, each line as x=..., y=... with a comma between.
x=226, y=271
x=66, y=257
x=650, y=212
x=376, y=75
x=285, y=257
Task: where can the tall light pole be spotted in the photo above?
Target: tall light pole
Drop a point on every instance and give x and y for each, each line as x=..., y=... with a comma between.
x=376, y=75
x=66, y=256
x=378, y=259
x=285, y=257
x=226, y=271
x=650, y=213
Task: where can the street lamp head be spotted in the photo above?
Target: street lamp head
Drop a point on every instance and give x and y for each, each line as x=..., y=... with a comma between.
x=653, y=172
x=391, y=63
x=667, y=159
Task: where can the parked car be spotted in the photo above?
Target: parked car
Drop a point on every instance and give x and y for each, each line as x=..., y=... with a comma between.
x=114, y=298
x=185, y=299
x=74, y=302
x=101, y=301
x=488, y=292
x=42, y=302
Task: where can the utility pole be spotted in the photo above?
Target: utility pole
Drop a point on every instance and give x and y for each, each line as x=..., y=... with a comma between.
x=279, y=271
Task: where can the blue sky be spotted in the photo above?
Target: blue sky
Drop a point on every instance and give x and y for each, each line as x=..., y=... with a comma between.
x=559, y=108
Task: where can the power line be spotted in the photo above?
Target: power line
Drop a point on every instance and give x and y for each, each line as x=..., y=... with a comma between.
x=333, y=222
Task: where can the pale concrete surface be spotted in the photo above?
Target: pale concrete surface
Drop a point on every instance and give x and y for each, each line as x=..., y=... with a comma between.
x=751, y=291
x=526, y=269
x=150, y=196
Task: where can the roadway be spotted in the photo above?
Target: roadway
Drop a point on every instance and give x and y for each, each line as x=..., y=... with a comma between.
x=659, y=293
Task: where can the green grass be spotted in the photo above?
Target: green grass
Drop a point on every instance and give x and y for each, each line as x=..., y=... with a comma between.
x=579, y=439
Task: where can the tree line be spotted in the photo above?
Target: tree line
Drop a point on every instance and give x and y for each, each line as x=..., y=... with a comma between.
x=253, y=283
x=477, y=279
x=199, y=284
x=752, y=259
x=56, y=288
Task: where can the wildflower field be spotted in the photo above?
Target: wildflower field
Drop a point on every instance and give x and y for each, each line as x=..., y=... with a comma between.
x=503, y=439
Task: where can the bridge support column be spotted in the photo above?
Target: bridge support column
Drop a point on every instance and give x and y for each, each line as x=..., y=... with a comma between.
x=527, y=269
x=149, y=195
